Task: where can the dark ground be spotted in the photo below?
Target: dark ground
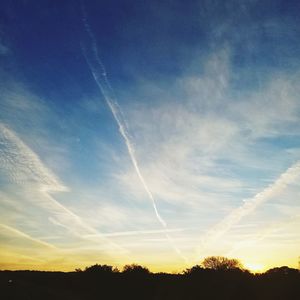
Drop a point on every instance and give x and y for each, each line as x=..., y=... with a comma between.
x=278, y=283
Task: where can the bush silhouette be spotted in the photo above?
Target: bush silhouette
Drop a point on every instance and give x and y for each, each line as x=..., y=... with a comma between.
x=194, y=270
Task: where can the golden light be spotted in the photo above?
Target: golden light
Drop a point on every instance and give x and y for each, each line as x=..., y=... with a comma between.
x=255, y=267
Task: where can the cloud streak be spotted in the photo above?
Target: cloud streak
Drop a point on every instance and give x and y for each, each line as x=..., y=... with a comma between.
x=138, y=232
x=23, y=166
x=26, y=236
x=100, y=76
x=266, y=233
x=286, y=178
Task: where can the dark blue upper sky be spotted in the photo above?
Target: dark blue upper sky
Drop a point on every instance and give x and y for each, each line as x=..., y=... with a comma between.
x=147, y=38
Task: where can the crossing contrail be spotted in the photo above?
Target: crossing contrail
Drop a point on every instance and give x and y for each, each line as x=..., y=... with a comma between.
x=286, y=178
x=100, y=76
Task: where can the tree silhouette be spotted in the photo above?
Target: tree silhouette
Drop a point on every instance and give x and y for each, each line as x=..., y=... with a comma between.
x=282, y=271
x=221, y=263
x=101, y=269
x=136, y=282
x=135, y=269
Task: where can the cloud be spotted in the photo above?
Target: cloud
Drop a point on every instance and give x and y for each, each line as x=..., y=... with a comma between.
x=99, y=73
x=204, y=144
x=179, y=143
x=286, y=178
x=25, y=169
x=23, y=165
x=276, y=232
x=272, y=111
x=204, y=123
x=20, y=234
x=141, y=232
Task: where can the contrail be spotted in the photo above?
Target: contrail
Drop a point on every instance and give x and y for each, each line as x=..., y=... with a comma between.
x=138, y=232
x=26, y=236
x=265, y=233
x=288, y=177
x=99, y=73
x=100, y=76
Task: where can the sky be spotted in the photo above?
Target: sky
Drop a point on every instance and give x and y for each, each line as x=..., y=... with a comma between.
x=149, y=132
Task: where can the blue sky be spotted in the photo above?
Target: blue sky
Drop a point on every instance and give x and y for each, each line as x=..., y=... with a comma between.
x=155, y=132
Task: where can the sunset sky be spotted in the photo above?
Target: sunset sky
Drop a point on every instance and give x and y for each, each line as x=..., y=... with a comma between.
x=154, y=132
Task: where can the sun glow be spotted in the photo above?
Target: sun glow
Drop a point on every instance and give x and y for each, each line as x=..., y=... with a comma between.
x=255, y=267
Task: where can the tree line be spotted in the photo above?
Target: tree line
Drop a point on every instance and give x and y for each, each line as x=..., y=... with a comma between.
x=216, y=277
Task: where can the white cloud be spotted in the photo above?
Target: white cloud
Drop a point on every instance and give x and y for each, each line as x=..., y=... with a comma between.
x=272, y=111
x=286, y=178
x=203, y=150
x=25, y=169
x=200, y=151
x=23, y=165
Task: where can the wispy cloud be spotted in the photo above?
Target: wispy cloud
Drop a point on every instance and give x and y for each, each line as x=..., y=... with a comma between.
x=286, y=178
x=268, y=232
x=205, y=119
x=24, y=168
x=23, y=164
x=202, y=156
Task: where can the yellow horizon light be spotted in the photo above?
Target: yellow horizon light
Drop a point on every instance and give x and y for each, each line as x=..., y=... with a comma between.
x=255, y=267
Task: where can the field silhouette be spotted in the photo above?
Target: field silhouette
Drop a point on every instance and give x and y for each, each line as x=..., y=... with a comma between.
x=211, y=280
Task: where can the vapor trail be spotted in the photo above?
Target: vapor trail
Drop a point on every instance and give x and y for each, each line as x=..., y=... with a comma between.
x=99, y=73
x=137, y=232
x=26, y=236
x=265, y=233
x=100, y=76
x=288, y=177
